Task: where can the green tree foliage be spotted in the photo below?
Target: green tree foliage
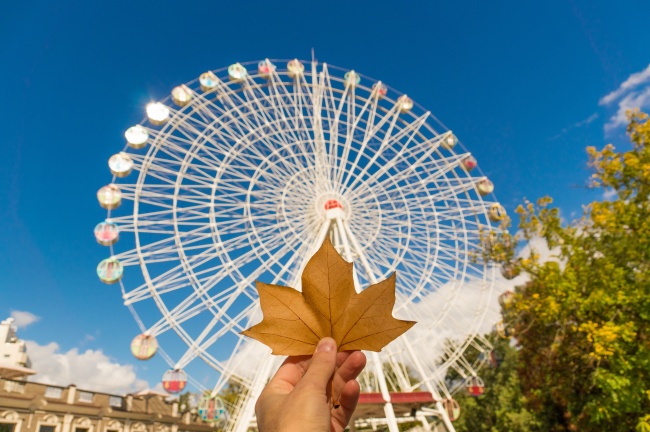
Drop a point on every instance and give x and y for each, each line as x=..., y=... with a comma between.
x=501, y=407
x=187, y=401
x=582, y=322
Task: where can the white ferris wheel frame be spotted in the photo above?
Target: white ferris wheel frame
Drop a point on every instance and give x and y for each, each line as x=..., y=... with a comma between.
x=176, y=156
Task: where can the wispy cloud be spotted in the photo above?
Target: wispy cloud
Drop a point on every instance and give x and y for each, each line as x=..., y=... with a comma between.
x=634, y=92
x=23, y=318
x=630, y=83
x=576, y=125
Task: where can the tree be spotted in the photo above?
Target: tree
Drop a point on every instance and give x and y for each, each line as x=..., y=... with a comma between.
x=582, y=322
x=501, y=407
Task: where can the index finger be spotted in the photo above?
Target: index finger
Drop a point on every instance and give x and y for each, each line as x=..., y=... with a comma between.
x=293, y=368
x=291, y=372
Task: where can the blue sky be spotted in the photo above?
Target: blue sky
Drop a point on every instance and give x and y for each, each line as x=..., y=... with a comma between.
x=523, y=84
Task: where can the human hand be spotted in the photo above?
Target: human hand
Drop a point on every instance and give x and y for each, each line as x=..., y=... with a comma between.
x=299, y=396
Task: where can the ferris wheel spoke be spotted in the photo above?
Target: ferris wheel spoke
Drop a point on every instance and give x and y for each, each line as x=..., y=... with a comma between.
x=177, y=274
x=244, y=123
x=204, y=163
x=272, y=124
x=276, y=103
x=187, y=309
x=229, y=136
x=159, y=221
x=408, y=182
x=227, y=96
x=168, y=191
x=469, y=210
x=302, y=101
x=323, y=163
x=438, y=227
x=203, y=342
x=176, y=277
x=198, y=173
x=405, y=177
x=446, y=273
x=280, y=95
x=352, y=121
x=162, y=200
x=407, y=133
x=413, y=267
x=333, y=113
x=352, y=171
x=165, y=246
x=170, y=167
x=162, y=254
x=452, y=191
x=164, y=175
x=195, y=129
x=265, y=253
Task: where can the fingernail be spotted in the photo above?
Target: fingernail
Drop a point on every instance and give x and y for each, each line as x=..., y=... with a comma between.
x=326, y=345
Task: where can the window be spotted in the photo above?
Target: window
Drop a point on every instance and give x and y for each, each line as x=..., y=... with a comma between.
x=80, y=429
x=13, y=387
x=53, y=392
x=7, y=427
x=85, y=396
x=47, y=428
x=115, y=401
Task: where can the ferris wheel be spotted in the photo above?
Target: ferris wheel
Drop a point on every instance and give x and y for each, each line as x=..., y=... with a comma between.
x=241, y=174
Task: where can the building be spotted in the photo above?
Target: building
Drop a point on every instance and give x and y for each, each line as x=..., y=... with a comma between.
x=27, y=406
x=14, y=362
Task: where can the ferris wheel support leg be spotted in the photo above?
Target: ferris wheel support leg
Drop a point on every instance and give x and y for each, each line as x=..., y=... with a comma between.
x=432, y=389
x=263, y=373
x=445, y=416
x=348, y=236
x=379, y=371
x=246, y=414
x=388, y=406
x=422, y=419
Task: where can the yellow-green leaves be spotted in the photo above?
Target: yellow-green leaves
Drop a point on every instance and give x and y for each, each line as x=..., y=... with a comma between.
x=582, y=321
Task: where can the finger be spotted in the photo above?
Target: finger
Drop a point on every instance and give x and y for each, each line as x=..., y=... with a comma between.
x=349, y=399
x=341, y=357
x=291, y=371
x=321, y=367
x=352, y=366
x=347, y=371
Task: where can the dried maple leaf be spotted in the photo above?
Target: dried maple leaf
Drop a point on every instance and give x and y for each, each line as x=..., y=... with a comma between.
x=328, y=305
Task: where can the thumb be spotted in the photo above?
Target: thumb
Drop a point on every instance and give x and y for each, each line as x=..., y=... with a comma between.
x=321, y=367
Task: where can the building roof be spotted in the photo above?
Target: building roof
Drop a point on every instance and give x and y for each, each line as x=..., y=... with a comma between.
x=151, y=392
x=9, y=371
x=151, y=406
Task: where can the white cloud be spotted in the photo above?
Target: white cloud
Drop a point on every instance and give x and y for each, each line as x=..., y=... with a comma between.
x=454, y=311
x=609, y=194
x=632, y=81
x=90, y=369
x=636, y=99
x=634, y=92
x=539, y=245
x=23, y=318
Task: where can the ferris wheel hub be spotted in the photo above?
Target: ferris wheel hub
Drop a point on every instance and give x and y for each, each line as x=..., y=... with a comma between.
x=332, y=206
